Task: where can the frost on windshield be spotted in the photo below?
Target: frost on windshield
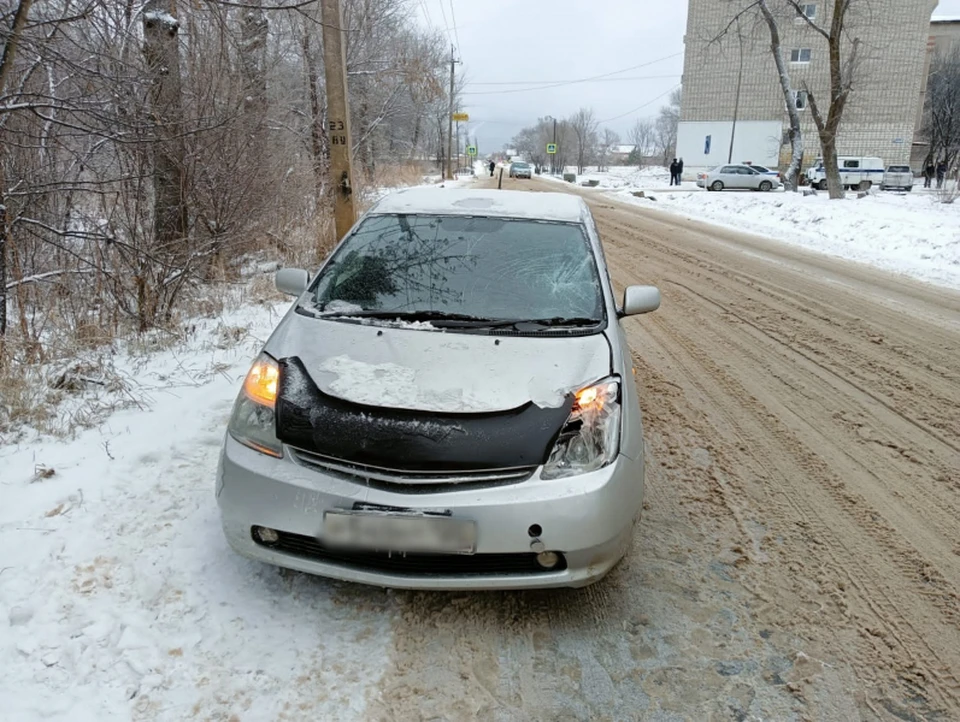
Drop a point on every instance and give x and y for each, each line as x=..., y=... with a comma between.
x=487, y=268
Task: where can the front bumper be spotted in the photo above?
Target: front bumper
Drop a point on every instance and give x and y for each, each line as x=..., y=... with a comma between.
x=587, y=518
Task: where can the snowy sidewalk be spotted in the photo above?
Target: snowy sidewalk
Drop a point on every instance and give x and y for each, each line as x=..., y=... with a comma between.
x=119, y=598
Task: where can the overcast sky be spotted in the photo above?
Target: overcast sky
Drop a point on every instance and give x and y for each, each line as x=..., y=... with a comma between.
x=553, y=41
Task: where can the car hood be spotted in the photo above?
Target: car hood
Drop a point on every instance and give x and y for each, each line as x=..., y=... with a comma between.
x=415, y=368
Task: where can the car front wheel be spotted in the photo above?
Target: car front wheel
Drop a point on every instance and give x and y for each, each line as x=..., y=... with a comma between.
x=716, y=186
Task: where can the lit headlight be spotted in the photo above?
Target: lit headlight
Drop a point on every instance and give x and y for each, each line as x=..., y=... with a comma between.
x=253, y=422
x=590, y=438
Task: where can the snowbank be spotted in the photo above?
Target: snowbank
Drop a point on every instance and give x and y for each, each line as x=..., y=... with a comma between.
x=911, y=234
x=119, y=597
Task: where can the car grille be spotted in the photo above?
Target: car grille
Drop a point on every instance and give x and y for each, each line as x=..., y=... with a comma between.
x=411, y=482
x=423, y=565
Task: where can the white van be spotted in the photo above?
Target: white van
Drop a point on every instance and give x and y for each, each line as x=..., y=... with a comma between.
x=855, y=172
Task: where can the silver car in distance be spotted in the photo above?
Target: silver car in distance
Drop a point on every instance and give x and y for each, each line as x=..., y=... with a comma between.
x=449, y=403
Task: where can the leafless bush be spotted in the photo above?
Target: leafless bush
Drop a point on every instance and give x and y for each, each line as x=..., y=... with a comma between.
x=148, y=145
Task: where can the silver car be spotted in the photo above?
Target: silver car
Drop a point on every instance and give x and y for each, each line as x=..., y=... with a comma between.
x=449, y=403
x=897, y=177
x=737, y=177
x=520, y=170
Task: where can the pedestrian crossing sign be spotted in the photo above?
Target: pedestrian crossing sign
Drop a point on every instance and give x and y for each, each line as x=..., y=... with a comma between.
x=551, y=148
x=471, y=150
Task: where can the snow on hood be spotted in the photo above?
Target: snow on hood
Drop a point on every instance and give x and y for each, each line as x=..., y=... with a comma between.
x=404, y=368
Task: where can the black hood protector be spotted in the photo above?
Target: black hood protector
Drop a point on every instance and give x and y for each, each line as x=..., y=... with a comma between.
x=311, y=420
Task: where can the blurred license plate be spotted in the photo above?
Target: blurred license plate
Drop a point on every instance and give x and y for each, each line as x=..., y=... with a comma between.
x=399, y=532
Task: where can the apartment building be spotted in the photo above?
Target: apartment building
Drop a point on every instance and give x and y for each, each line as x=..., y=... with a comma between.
x=733, y=107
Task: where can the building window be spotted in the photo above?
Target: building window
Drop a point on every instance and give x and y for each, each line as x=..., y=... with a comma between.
x=800, y=99
x=801, y=55
x=809, y=12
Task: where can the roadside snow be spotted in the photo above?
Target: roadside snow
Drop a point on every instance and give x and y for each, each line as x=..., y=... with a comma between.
x=375, y=194
x=906, y=233
x=910, y=234
x=119, y=598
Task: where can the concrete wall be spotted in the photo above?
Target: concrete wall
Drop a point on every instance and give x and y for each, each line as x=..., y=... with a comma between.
x=756, y=141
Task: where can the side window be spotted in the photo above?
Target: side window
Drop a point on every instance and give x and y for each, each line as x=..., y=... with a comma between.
x=728, y=169
x=851, y=164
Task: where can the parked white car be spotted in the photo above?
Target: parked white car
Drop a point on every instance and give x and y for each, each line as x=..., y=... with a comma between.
x=898, y=177
x=737, y=177
x=855, y=172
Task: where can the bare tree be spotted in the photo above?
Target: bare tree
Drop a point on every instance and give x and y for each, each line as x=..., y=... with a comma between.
x=584, y=126
x=10, y=45
x=146, y=152
x=942, y=109
x=162, y=54
x=843, y=72
x=666, y=126
x=609, y=139
x=789, y=98
x=643, y=135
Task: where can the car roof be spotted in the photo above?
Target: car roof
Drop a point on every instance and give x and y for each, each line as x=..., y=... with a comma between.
x=496, y=203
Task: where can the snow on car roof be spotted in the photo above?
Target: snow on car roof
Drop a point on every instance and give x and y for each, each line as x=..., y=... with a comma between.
x=466, y=202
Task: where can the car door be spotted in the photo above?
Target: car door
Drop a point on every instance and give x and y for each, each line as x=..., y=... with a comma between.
x=742, y=177
x=753, y=178
x=850, y=173
x=728, y=176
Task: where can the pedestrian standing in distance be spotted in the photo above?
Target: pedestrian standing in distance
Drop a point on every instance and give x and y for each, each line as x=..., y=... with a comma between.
x=679, y=171
x=493, y=167
x=928, y=175
x=941, y=173
x=673, y=172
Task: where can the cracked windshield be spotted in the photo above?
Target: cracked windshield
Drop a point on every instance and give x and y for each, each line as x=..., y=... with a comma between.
x=479, y=268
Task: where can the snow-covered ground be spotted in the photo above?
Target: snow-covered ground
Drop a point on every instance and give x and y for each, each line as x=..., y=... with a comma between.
x=119, y=598
x=908, y=233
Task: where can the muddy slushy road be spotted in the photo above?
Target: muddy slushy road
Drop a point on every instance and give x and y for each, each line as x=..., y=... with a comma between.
x=799, y=555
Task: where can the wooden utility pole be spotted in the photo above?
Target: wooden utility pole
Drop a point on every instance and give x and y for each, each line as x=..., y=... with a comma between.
x=338, y=116
x=453, y=64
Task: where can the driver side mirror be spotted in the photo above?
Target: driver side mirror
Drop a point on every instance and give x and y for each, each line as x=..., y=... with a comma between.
x=640, y=299
x=292, y=281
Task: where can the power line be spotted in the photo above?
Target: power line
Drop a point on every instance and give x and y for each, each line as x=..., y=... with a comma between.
x=456, y=32
x=573, y=82
x=426, y=10
x=598, y=80
x=444, y=12
x=639, y=107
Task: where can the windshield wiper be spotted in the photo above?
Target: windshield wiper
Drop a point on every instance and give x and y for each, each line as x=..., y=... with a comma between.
x=448, y=319
x=565, y=321
x=443, y=319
